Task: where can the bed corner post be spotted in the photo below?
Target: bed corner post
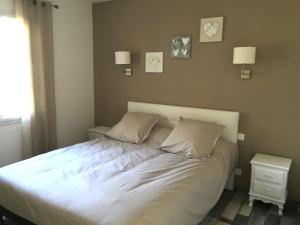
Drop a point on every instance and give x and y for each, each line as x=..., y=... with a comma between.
x=230, y=182
x=1, y=220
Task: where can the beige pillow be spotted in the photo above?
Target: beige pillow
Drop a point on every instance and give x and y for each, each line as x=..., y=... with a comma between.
x=134, y=127
x=158, y=135
x=193, y=138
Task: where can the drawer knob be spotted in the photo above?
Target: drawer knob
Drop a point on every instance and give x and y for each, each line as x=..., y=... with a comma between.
x=266, y=189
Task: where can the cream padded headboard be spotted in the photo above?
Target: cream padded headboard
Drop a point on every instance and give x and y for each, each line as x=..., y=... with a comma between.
x=170, y=115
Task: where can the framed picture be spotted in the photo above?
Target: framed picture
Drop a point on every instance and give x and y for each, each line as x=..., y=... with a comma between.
x=154, y=62
x=181, y=47
x=211, y=29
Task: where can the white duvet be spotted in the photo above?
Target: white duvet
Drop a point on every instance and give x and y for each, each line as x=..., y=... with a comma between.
x=107, y=182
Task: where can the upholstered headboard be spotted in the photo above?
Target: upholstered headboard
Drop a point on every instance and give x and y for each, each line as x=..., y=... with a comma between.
x=170, y=114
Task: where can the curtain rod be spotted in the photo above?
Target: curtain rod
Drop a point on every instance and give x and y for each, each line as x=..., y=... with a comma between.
x=44, y=4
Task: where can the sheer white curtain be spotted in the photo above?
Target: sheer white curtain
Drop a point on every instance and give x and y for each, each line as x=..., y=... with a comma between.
x=27, y=73
x=27, y=105
x=16, y=96
x=15, y=69
x=40, y=126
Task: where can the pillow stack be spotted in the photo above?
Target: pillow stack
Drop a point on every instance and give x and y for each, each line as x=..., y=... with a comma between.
x=192, y=138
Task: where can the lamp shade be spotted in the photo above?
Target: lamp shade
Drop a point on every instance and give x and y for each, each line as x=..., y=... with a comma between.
x=122, y=58
x=244, y=55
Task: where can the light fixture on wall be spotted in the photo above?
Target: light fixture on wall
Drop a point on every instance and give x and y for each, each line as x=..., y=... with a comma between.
x=244, y=55
x=123, y=58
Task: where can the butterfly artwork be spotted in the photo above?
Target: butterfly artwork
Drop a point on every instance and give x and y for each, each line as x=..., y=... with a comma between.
x=181, y=47
x=154, y=62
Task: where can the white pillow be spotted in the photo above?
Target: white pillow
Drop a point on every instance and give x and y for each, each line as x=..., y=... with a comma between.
x=133, y=127
x=193, y=138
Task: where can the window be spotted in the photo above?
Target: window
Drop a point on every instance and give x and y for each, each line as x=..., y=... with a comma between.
x=15, y=80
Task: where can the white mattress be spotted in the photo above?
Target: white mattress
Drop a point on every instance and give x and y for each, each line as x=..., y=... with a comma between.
x=109, y=182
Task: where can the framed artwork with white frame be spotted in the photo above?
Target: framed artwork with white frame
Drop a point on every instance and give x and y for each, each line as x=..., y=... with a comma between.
x=154, y=62
x=211, y=29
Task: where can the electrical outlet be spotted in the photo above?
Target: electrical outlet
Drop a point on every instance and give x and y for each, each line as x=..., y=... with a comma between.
x=241, y=137
x=238, y=171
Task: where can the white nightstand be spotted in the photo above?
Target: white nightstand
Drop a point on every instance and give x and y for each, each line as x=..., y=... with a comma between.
x=97, y=132
x=269, y=179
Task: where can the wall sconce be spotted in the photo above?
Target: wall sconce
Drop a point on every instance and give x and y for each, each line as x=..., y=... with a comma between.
x=244, y=55
x=123, y=58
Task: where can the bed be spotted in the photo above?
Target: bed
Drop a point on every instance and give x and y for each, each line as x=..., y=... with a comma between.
x=109, y=182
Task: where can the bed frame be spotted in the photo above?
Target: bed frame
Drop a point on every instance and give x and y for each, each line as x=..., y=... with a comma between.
x=12, y=217
x=169, y=116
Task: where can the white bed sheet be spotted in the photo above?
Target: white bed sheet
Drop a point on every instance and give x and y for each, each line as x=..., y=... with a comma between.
x=108, y=182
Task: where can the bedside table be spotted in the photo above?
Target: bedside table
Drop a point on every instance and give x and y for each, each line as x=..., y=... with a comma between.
x=97, y=132
x=269, y=180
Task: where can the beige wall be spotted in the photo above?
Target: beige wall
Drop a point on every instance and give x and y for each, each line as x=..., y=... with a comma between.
x=269, y=103
x=74, y=75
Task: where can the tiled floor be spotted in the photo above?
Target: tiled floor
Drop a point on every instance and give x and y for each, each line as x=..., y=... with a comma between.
x=233, y=209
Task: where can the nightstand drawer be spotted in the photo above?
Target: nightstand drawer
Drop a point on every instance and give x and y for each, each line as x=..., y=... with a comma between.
x=271, y=190
x=270, y=175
